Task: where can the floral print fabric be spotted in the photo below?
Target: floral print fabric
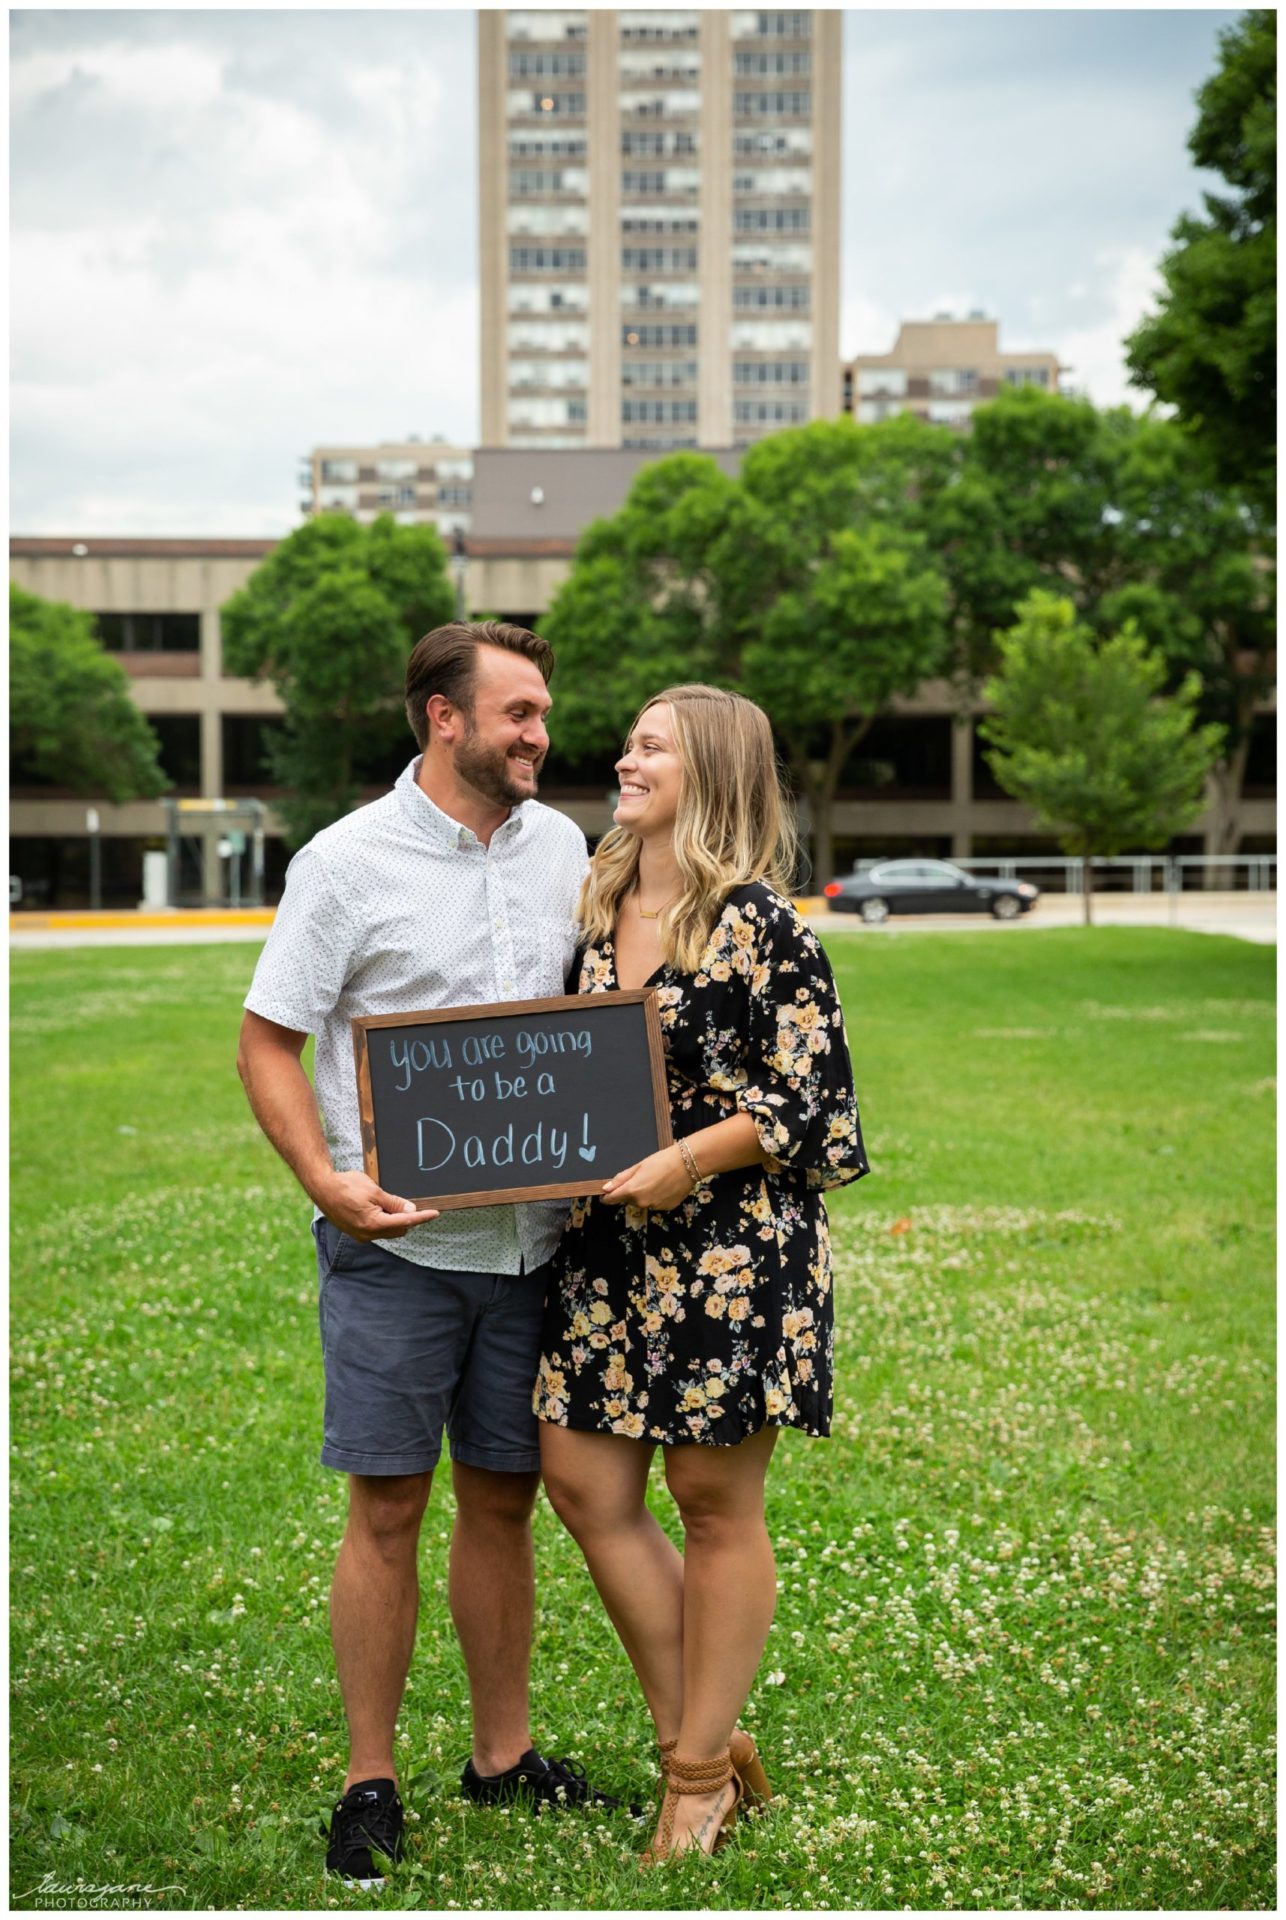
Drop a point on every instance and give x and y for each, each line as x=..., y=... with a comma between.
x=704, y=1322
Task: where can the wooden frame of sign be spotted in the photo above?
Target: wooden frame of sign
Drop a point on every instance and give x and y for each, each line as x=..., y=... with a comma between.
x=632, y=1113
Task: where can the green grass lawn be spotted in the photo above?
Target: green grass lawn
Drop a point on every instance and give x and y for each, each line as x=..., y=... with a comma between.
x=1022, y=1654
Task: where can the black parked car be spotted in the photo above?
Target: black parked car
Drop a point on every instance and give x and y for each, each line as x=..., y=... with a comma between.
x=927, y=886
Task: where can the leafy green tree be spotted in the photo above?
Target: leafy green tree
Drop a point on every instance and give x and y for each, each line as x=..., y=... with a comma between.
x=1210, y=349
x=1080, y=733
x=72, y=719
x=1125, y=518
x=329, y=618
x=1193, y=571
x=807, y=583
x=1031, y=506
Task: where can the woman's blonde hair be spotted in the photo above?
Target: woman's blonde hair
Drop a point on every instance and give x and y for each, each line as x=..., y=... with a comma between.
x=733, y=823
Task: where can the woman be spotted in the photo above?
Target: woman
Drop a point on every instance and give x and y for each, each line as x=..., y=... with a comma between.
x=690, y=1305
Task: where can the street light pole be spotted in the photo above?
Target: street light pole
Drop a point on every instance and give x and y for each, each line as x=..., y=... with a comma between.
x=461, y=557
x=92, y=824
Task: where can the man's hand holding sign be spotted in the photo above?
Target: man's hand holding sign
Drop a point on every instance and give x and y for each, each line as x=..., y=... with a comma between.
x=526, y=1100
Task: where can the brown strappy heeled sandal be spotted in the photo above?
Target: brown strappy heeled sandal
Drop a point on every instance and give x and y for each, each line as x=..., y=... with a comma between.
x=746, y=1764
x=691, y=1776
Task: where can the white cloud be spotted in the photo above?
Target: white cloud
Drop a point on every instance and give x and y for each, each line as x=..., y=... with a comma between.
x=1094, y=353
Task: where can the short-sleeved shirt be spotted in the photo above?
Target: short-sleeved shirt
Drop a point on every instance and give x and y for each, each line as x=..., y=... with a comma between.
x=398, y=908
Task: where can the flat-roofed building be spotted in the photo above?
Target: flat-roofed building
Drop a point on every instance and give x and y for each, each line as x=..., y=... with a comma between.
x=940, y=370
x=420, y=482
x=918, y=784
x=659, y=207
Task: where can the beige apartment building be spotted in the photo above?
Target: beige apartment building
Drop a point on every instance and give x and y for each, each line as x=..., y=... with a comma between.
x=920, y=785
x=940, y=370
x=659, y=210
x=420, y=482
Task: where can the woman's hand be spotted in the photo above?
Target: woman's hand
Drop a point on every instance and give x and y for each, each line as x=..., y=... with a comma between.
x=659, y=1182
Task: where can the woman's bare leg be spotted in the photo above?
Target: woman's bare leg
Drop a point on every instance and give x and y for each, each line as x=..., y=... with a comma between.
x=729, y=1595
x=596, y=1484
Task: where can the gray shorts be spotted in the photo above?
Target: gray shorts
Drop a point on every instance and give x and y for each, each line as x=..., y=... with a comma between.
x=410, y=1350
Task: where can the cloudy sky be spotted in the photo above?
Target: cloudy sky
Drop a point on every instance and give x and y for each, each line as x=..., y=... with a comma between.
x=239, y=234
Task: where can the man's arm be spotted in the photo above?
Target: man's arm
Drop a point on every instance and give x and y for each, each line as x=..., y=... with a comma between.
x=278, y=1089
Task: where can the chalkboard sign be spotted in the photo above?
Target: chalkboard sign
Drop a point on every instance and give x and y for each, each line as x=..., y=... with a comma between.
x=527, y=1100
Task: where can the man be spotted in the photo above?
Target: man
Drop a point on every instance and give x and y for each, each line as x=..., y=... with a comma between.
x=456, y=888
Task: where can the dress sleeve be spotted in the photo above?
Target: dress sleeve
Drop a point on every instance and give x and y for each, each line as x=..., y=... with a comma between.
x=798, y=1084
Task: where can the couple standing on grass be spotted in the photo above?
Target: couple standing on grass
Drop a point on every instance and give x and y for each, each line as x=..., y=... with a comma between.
x=687, y=1307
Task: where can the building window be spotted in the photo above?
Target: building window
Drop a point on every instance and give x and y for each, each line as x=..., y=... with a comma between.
x=340, y=471
x=179, y=748
x=640, y=145
x=658, y=412
x=535, y=181
x=150, y=632
x=770, y=373
x=769, y=413
x=667, y=224
x=246, y=742
x=1026, y=376
x=891, y=380
x=659, y=373
x=658, y=335
x=771, y=66
x=541, y=146
x=771, y=220
x=658, y=259
x=752, y=106
x=796, y=140
x=796, y=299
x=953, y=380
x=546, y=66
x=569, y=106
x=783, y=26
x=544, y=25
x=547, y=259
x=455, y=496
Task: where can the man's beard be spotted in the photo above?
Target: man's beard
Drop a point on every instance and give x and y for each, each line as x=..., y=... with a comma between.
x=486, y=769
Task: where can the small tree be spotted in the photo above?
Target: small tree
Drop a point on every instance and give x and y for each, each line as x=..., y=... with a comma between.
x=1080, y=735
x=330, y=618
x=72, y=718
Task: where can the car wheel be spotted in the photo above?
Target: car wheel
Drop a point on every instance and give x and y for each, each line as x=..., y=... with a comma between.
x=874, y=912
x=1005, y=907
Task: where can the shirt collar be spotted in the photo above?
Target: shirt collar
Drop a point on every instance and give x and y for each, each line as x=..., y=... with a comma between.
x=430, y=819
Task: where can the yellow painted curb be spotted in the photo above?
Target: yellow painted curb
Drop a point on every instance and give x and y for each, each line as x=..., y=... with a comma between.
x=194, y=917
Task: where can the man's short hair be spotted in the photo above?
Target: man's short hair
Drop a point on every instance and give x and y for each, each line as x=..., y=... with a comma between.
x=446, y=662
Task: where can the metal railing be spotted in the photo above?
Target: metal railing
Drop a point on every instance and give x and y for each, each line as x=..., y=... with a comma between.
x=1140, y=873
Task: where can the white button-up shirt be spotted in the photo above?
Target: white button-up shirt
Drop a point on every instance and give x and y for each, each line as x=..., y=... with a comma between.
x=398, y=908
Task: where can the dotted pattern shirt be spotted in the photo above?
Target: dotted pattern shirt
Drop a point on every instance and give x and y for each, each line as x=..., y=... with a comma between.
x=396, y=908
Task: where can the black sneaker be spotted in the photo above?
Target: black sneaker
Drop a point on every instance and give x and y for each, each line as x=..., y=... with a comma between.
x=547, y=1783
x=368, y=1817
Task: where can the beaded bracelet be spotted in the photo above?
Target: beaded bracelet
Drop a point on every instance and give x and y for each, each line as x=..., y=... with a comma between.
x=690, y=1162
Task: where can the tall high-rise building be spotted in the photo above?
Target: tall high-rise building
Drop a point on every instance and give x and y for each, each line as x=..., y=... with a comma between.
x=660, y=225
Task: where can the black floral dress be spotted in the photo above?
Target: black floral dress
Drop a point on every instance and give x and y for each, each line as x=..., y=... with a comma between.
x=709, y=1320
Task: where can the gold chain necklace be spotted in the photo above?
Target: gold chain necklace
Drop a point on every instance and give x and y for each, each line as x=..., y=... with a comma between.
x=643, y=912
